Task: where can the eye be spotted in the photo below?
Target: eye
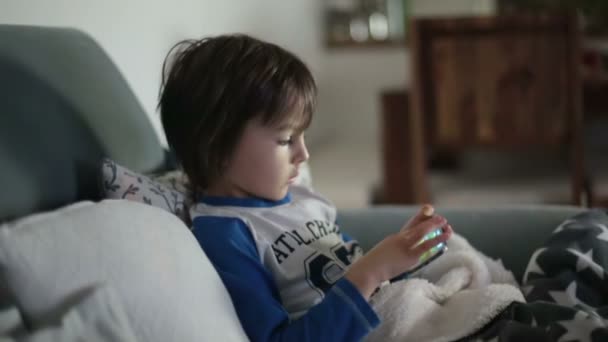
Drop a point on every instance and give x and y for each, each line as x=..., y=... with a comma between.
x=285, y=142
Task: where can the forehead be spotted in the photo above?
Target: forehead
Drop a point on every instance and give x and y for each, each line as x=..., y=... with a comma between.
x=292, y=123
x=296, y=119
x=289, y=109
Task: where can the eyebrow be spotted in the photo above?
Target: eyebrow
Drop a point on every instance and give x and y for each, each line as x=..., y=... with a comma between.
x=287, y=126
x=293, y=122
x=291, y=127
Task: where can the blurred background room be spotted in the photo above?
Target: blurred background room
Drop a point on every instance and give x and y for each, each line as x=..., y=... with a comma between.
x=370, y=141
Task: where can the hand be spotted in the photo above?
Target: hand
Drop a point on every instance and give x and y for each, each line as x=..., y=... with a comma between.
x=398, y=252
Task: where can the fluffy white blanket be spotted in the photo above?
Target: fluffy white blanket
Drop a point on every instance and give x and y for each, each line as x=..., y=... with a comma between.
x=451, y=298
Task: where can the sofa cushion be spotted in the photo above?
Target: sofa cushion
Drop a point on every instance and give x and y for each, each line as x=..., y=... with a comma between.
x=169, y=289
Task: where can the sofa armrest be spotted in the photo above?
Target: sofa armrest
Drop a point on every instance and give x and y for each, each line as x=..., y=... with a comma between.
x=509, y=233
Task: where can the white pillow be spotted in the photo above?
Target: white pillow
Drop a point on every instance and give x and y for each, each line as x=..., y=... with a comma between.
x=169, y=289
x=98, y=316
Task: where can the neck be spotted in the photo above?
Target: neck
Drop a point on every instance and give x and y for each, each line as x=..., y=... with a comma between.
x=223, y=189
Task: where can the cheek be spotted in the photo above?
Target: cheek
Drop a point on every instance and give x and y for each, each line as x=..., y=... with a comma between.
x=267, y=165
x=262, y=165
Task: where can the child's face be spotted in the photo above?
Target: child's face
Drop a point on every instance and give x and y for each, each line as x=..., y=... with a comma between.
x=264, y=163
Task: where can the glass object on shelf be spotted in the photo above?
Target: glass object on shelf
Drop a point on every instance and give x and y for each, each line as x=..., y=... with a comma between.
x=338, y=15
x=358, y=29
x=359, y=22
x=377, y=21
x=378, y=26
x=339, y=26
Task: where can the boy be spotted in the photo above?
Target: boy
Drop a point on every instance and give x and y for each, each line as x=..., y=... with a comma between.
x=234, y=110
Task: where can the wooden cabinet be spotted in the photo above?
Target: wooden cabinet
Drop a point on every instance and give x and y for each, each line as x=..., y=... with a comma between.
x=499, y=89
x=504, y=82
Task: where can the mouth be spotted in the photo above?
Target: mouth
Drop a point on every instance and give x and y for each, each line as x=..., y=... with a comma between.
x=293, y=178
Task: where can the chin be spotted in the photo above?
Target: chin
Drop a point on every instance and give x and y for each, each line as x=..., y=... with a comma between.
x=281, y=194
x=274, y=196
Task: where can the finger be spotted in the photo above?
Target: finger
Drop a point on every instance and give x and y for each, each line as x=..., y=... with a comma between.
x=425, y=212
x=417, y=232
x=428, y=210
x=427, y=245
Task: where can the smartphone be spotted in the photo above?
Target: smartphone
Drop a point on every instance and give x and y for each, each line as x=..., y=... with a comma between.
x=434, y=251
x=427, y=257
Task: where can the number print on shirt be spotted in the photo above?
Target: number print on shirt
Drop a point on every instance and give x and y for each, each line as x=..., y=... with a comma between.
x=322, y=271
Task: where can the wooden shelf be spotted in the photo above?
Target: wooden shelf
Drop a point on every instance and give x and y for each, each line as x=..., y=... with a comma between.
x=365, y=45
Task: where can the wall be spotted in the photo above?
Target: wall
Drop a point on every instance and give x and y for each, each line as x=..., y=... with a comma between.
x=137, y=33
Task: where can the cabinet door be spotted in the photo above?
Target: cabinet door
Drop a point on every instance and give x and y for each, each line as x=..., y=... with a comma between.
x=504, y=89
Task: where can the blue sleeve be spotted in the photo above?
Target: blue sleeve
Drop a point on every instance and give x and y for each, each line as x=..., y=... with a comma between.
x=345, y=237
x=343, y=315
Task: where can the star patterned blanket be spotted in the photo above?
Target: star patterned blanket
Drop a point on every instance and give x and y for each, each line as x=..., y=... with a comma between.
x=565, y=287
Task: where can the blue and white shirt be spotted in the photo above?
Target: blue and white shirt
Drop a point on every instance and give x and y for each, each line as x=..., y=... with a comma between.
x=283, y=264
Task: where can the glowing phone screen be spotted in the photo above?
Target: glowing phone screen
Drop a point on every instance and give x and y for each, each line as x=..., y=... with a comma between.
x=427, y=256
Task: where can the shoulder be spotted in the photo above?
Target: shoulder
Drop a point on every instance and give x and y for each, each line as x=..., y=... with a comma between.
x=218, y=230
x=218, y=224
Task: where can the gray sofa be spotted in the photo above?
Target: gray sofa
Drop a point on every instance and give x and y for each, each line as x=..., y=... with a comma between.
x=65, y=106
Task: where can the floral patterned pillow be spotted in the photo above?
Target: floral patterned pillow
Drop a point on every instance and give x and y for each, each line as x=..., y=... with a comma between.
x=166, y=191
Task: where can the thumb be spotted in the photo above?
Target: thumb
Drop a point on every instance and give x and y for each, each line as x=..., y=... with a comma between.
x=425, y=212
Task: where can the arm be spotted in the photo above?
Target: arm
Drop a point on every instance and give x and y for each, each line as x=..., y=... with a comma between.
x=343, y=315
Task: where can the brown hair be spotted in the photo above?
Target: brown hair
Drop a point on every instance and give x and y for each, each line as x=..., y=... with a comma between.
x=212, y=87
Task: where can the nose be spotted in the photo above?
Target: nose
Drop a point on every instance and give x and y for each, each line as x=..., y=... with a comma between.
x=300, y=152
